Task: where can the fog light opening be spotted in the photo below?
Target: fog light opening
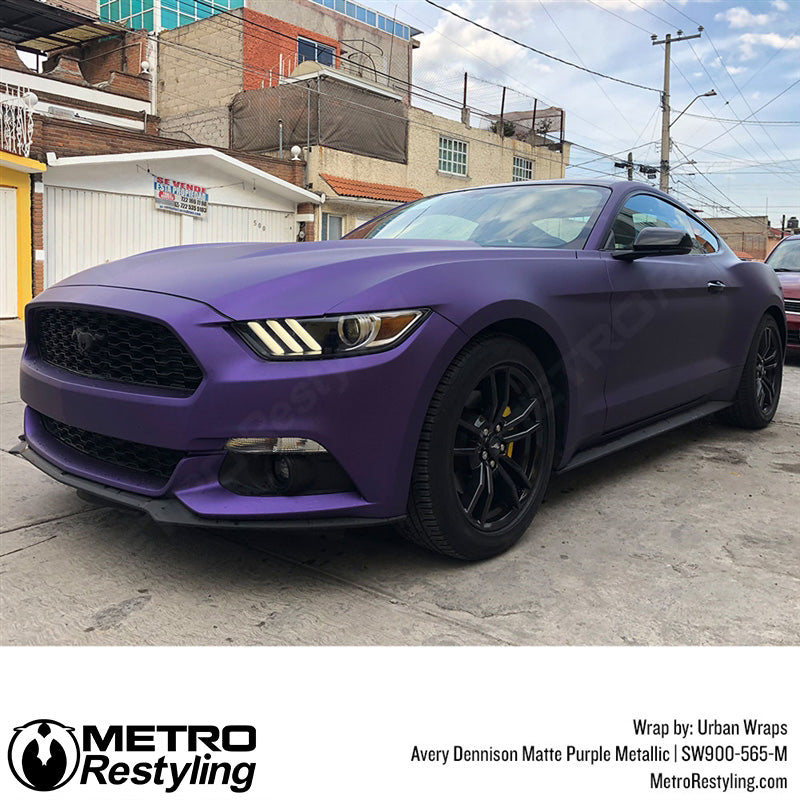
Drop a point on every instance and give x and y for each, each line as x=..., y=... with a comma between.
x=272, y=445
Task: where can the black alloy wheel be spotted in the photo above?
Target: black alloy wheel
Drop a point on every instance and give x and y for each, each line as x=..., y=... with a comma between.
x=485, y=452
x=498, y=448
x=768, y=363
x=759, y=391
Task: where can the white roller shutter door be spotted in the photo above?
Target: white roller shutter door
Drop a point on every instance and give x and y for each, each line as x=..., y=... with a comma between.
x=84, y=228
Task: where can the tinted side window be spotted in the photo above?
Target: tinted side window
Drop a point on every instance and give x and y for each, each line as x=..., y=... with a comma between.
x=645, y=211
x=706, y=240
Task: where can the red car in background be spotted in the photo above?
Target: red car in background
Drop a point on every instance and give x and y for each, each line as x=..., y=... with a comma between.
x=785, y=260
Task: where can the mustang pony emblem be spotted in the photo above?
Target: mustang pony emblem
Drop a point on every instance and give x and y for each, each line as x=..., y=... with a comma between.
x=85, y=339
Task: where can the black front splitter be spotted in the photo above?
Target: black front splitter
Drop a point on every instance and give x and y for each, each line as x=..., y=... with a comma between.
x=170, y=511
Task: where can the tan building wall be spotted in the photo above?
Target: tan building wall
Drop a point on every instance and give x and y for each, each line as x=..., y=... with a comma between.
x=744, y=234
x=199, y=66
x=489, y=160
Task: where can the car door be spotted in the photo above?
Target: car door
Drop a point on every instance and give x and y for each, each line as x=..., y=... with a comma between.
x=669, y=314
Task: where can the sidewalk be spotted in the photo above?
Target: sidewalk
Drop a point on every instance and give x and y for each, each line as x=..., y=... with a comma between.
x=12, y=333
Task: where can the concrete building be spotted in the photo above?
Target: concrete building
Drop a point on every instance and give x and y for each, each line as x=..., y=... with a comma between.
x=201, y=66
x=84, y=175
x=367, y=146
x=442, y=154
x=751, y=237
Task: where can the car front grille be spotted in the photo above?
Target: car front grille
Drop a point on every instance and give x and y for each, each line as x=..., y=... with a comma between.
x=793, y=337
x=157, y=462
x=115, y=347
x=792, y=305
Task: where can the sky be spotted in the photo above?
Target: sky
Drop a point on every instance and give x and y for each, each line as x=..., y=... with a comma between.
x=737, y=153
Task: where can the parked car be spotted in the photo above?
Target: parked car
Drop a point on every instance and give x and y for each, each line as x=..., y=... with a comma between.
x=433, y=369
x=785, y=260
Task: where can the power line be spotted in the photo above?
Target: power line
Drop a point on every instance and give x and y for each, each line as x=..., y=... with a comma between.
x=752, y=114
x=744, y=122
x=495, y=68
x=710, y=182
x=540, y=52
x=594, y=78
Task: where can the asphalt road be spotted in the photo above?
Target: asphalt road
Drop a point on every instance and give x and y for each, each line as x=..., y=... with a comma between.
x=688, y=539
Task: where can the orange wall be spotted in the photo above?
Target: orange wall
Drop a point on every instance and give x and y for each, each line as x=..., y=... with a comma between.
x=263, y=48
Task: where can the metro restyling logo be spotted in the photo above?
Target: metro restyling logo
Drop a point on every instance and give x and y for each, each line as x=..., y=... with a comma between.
x=45, y=755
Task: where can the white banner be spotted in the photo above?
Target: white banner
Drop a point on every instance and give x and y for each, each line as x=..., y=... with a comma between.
x=397, y=722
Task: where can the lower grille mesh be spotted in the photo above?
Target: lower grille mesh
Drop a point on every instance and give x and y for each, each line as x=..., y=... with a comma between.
x=158, y=462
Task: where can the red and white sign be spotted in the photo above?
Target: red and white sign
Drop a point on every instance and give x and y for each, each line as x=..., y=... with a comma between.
x=180, y=197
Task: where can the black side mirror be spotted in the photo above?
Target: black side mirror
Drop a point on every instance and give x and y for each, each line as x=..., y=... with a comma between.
x=658, y=242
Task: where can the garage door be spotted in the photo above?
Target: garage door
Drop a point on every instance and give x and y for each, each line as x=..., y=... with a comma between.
x=8, y=252
x=85, y=228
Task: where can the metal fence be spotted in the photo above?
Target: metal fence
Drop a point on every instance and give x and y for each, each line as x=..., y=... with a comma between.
x=16, y=119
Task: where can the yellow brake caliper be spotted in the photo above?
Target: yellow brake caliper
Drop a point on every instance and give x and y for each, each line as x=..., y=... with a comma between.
x=507, y=413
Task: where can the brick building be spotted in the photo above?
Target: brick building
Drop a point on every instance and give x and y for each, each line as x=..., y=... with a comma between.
x=85, y=176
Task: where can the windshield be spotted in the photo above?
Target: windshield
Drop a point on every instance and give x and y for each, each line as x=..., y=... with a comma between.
x=544, y=215
x=786, y=256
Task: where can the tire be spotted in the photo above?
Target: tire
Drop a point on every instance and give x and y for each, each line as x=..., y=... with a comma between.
x=485, y=452
x=759, y=390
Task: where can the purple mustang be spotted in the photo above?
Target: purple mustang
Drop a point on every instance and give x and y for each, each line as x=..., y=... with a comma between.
x=433, y=369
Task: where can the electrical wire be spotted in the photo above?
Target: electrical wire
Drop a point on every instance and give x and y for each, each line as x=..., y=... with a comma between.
x=577, y=55
x=540, y=52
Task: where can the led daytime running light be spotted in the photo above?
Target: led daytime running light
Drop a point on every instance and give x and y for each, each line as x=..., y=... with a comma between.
x=347, y=334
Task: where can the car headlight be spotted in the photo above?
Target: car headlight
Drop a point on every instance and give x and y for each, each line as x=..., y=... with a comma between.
x=325, y=337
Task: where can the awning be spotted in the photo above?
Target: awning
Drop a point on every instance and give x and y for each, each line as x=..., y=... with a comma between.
x=225, y=166
x=41, y=27
x=347, y=187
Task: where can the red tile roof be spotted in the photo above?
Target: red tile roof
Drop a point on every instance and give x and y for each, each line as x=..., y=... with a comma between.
x=741, y=254
x=374, y=191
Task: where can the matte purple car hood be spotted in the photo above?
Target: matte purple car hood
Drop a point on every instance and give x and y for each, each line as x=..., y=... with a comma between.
x=250, y=281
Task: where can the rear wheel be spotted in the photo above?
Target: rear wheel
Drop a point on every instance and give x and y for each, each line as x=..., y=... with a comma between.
x=760, y=386
x=485, y=454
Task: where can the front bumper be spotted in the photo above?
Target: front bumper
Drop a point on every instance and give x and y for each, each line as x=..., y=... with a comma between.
x=367, y=411
x=170, y=510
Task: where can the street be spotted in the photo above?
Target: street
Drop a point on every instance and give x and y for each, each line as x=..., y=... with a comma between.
x=687, y=539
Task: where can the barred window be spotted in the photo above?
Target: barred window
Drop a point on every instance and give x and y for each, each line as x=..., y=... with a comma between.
x=452, y=156
x=523, y=169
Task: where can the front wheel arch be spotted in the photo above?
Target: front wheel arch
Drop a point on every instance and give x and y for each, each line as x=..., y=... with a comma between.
x=778, y=315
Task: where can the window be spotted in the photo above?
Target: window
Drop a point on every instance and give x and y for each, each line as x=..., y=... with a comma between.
x=331, y=227
x=645, y=211
x=309, y=50
x=522, y=170
x=555, y=216
x=149, y=14
x=452, y=156
x=363, y=14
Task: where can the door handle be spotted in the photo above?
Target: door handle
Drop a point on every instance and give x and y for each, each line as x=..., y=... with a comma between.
x=715, y=286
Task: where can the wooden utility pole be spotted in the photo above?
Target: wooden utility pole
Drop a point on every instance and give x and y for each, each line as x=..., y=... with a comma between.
x=663, y=181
